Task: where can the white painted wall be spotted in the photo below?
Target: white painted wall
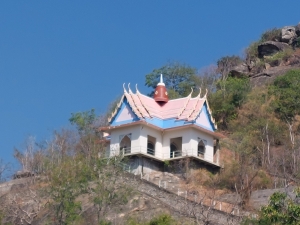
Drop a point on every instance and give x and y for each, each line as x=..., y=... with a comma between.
x=209, y=147
x=145, y=131
x=186, y=142
x=139, y=139
x=135, y=138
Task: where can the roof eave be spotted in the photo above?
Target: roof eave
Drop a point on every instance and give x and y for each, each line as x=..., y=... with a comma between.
x=142, y=122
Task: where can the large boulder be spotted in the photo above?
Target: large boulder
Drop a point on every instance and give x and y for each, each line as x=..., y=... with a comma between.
x=271, y=47
x=240, y=70
x=297, y=29
x=268, y=75
x=288, y=34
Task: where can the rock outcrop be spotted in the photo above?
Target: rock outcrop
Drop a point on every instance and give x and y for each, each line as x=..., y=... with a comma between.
x=288, y=34
x=297, y=29
x=272, y=58
x=271, y=47
x=240, y=70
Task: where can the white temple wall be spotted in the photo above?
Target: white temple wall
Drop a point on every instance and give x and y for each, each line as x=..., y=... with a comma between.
x=145, y=131
x=116, y=136
x=195, y=136
x=139, y=138
x=167, y=136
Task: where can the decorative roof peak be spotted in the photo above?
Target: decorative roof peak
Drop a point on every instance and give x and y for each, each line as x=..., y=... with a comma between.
x=190, y=95
x=160, y=93
x=136, y=88
x=125, y=91
x=161, y=82
x=199, y=95
x=129, y=90
x=205, y=94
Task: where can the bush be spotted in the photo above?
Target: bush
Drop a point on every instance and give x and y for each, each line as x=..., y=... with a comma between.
x=271, y=35
x=262, y=180
x=226, y=63
x=229, y=96
x=280, y=210
x=252, y=51
x=286, y=90
x=163, y=219
x=296, y=43
x=280, y=56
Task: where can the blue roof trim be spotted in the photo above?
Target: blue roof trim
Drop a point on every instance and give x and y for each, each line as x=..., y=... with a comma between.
x=164, y=124
x=123, y=105
x=207, y=115
x=167, y=123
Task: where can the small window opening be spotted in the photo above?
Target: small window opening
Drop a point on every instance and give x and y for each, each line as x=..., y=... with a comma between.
x=151, y=145
x=125, y=145
x=175, y=147
x=201, y=149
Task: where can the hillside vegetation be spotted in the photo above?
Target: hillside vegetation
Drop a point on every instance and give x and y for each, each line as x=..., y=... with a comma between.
x=256, y=103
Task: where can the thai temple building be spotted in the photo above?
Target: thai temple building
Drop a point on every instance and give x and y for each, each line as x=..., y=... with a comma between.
x=151, y=131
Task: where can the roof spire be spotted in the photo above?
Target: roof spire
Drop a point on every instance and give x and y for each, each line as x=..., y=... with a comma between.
x=161, y=82
x=161, y=94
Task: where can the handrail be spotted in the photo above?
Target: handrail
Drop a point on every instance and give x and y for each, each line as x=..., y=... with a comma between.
x=164, y=156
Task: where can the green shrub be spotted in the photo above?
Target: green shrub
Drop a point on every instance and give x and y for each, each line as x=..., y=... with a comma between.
x=286, y=90
x=271, y=35
x=103, y=222
x=167, y=163
x=280, y=56
x=296, y=43
x=163, y=219
x=229, y=96
x=251, y=51
x=280, y=210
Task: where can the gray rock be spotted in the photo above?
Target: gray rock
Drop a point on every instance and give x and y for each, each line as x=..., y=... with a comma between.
x=297, y=29
x=267, y=76
x=273, y=71
x=271, y=47
x=288, y=34
x=261, y=197
x=240, y=70
x=267, y=66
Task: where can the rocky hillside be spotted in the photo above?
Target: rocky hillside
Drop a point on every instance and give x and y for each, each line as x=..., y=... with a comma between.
x=274, y=54
x=24, y=205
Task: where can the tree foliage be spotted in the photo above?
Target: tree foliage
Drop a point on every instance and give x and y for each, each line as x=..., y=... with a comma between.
x=281, y=210
x=286, y=90
x=84, y=121
x=109, y=189
x=178, y=78
x=230, y=95
x=226, y=63
x=163, y=219
x=67, y=181
x=271, y=35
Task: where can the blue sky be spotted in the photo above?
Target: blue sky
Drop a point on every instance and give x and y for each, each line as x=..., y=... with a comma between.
x=59, y=57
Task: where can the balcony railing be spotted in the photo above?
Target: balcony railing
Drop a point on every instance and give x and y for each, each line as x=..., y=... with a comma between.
x=174, y=154
x=125, y=151
x=150, y=151
x=133, y=150
x=165, y=156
